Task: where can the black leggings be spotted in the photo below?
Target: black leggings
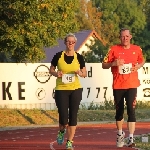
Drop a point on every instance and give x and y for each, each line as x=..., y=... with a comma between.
x=67, y=102
x=130, y=97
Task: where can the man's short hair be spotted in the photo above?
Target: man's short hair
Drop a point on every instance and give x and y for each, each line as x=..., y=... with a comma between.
x=123, y=29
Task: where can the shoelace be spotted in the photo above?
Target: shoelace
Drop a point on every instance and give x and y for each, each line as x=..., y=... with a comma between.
x=130, y=140
x=69, y=143
x=120, y=137
x=60, y=135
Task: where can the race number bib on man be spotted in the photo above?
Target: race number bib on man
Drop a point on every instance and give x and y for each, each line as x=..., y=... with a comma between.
x=68, y=78
x=125, y=68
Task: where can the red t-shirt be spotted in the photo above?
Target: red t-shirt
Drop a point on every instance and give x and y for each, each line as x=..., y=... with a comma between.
x=132, y=55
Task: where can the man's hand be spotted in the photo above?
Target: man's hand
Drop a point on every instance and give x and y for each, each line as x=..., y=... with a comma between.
x=135, y=68
x=118, y=62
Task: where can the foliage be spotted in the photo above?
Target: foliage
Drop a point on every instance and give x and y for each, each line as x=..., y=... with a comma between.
x=106, y=105
x=117, y=14
x=96, y=53
x=88, y=17
x=109, y=105
x=29, y=26
x=143, y=38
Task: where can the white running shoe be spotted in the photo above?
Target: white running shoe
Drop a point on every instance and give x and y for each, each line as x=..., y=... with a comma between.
x=120, y=140
x=130, y=143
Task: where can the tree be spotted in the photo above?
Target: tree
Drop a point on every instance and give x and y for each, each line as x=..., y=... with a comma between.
x=97, y=52
x=117, y=14
x=143, y=37
x=29, y=26
x=88, y=16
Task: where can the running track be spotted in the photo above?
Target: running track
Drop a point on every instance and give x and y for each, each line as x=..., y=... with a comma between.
x=88, y=137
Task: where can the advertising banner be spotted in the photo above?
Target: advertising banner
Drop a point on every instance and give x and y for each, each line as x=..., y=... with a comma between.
x=23, y=84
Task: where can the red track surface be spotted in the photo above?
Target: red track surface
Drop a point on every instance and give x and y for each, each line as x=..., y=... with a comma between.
x=87, y=137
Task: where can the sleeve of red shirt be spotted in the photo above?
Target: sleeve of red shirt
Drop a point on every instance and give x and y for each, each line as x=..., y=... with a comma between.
x=109, y=56
x=140, y=56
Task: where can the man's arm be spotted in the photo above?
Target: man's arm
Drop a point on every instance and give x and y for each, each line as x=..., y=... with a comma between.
x=106, y=65
x=117, y=62
x=137, y=66
x=107, y=61
x=141, y=59
x=142, y=64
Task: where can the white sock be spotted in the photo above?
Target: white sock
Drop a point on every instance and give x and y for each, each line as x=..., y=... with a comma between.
x=131, y=137
x=120, y=132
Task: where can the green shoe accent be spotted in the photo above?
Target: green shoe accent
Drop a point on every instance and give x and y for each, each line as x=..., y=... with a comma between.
x=60, y=137
x=69, y=145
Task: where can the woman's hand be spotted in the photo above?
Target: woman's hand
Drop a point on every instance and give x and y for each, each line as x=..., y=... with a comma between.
x=79, y=72
x=59, y=74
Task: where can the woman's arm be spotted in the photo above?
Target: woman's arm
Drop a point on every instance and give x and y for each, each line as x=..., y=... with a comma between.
x=52, y=71
x=83, y=72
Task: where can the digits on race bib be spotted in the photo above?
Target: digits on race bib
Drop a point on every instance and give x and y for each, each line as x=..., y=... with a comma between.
x=125, y=68
x=68, y=78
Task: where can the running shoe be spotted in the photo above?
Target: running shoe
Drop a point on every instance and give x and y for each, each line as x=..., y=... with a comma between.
x=69, y=145
x=130, y=143
x=60, y=137
x=120, y=140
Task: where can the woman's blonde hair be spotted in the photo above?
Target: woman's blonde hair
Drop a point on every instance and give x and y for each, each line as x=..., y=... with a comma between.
x=70, y=35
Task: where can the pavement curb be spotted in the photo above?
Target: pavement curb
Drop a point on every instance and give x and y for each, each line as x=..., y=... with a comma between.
x=56, y=125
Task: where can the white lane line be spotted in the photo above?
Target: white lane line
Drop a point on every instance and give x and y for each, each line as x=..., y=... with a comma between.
x=104, y=132
x=51, y=145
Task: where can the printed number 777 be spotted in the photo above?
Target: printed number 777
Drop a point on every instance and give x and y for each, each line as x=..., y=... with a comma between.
x=98, y=91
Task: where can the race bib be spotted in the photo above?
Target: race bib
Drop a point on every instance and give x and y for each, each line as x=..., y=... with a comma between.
x=68, y=78
x=125, y=68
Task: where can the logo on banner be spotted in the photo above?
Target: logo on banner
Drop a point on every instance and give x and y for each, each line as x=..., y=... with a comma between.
x=40, y=93
x=146, y=92
x=42, y=74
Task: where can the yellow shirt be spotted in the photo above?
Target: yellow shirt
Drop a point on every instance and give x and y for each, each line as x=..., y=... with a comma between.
x=68, y=69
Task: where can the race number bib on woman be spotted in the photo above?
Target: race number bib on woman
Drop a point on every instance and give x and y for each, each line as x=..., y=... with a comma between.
x=68, y=78
x=125, y=68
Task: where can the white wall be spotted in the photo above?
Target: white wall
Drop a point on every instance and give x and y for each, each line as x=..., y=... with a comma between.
x=84, y=47
x=31, y=86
